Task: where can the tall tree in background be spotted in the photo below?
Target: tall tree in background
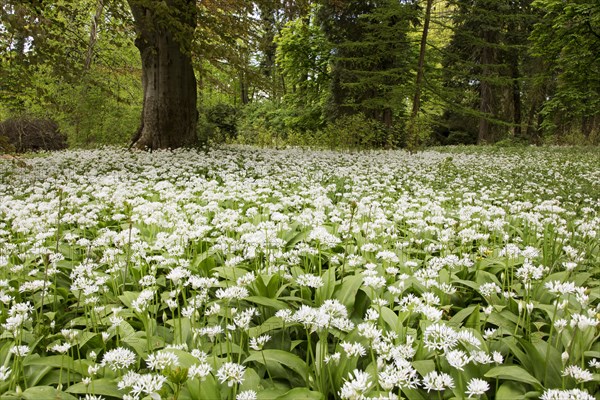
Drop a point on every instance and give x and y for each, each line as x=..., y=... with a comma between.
x=370, y=56
x=568, y=39
x=416, y=104
x=165, y=32
x=485, y=66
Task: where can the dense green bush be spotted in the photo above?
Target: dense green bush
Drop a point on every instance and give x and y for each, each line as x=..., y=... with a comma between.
x=30, y=134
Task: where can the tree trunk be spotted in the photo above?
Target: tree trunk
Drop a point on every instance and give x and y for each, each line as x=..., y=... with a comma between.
x=516, y=95
x=93, y=34
x=413, y=131
x=485, y=94
x=169, y=114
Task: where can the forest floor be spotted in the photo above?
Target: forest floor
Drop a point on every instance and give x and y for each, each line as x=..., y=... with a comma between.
x=244, y=273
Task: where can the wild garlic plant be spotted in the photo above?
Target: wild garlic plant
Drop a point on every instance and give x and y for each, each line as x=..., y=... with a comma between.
x=262, y=274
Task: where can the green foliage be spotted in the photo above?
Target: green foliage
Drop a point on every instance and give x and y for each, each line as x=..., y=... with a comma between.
x=567, y=37
x=371, y=57
x=285, y=267
x=88, y=84
x=221, y=123
x=303, y=55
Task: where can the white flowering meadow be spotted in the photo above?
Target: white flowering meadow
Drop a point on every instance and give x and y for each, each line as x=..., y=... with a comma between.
x=247, y=274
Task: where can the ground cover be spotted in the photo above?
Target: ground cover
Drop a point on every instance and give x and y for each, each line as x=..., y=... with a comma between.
x=293, y=274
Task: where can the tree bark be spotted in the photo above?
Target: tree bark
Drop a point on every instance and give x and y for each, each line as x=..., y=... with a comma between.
x=485, y=93
x=93, y=34
x=164, y=34
x=516, y=96
x=412, y=128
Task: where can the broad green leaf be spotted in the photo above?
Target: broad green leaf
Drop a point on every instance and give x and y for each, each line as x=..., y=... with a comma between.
x=36, y=373
x=511, y=391
x=325, y=292
x=128, y=297
x=267, y=302
x=424, y=367
x=251, y=380
x=513, y=373
x=463, y=314
x=301, y=393
x=414, y=394
x=391, y=318
x=99, y=387
x=346, y=292
x=284, y=358
x=59, y=361
x=271, y=324
x=46, y=392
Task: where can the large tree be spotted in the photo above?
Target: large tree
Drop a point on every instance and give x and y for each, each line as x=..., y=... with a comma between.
x=165, y=33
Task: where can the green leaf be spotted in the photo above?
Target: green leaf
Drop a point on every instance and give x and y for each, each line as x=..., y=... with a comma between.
x=391, y=318
x=301, y=393
x=284, y=358
x=424, y=367
x=46, y=392
x=59, y=361
x=513, y=373
x=326, y=291
x=511, y=391
x=99, y=387
x=265, y=301
x=270, y=324
x=36, y=373
x=346, y=293
x=128, y=297
x=463, y=314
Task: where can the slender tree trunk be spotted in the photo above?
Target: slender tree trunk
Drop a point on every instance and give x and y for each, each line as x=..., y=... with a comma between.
x=169, y=114
x=421, y=66
x=93, y=34
x=416, y=107
x=516, y=97
x=485, y=93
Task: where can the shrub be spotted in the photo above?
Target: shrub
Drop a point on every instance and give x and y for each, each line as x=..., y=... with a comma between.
x=222, y=122
x=33, y=134
x=359, y=132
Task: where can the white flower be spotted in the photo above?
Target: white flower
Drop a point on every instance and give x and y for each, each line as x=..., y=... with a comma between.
x=162, y=360
x=246, y=395
x=232, y=292
x=457, y=359
x=356, y=385
x=477, y=387
x=118, y=358
x=93, y=397
x=353, y=349
x=437, y=381
x=309, y=280
x=200, y=371
x=259, y=342
x=148, y=384
x=578, y=373
x=573, y=394
x=61, y=348
x=369, y=330
x=332, y=358
x=20, y=351
x=231, y=373
x=4, y=373
x=440, y=337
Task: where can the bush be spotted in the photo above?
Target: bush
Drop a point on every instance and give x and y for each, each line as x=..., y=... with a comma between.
x=358, y=132
x=460, y=137
x=222, y=122
x=33, y=134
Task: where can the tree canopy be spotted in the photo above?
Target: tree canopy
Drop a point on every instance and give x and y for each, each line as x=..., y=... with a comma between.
x=296, y=72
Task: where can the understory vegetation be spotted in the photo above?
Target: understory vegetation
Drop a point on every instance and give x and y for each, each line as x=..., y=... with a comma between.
x=293, y=274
